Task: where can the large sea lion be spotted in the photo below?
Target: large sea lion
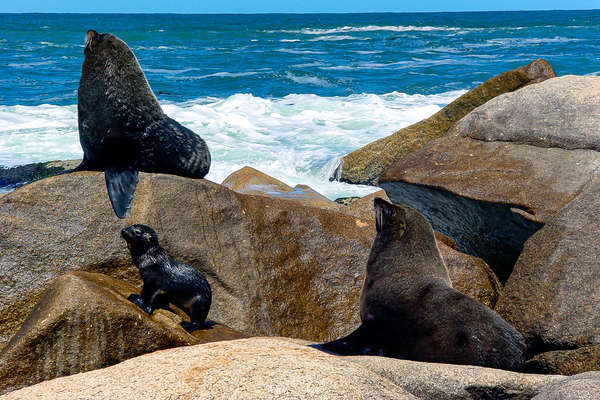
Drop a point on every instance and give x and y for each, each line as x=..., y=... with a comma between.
x=122, y=128
x=179, y=283
x=409, y=309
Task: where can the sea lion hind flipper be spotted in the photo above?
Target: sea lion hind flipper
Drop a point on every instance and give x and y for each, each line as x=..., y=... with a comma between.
x=121, y=184
x=359, y=342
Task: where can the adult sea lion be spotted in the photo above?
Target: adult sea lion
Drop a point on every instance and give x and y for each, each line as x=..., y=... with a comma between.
x=180, y=284
x=409, y=309
x=122, y=128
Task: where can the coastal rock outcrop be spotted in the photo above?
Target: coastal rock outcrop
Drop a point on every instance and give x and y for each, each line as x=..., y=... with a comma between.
x=552, y=296
x=584, y=386
x=276, y=267
x=248, y=180
x=83, y=322
x=365, y=165
x=280, y=368
x=265, y=368
x=565, y=362
x=273, y=265
x=432, y=381
x=505, y=168
x=19, y=175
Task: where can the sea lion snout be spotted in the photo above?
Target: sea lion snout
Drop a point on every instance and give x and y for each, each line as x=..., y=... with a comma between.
x=140, y=236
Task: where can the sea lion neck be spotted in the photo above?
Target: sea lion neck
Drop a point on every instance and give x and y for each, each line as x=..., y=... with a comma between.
x=399, y=249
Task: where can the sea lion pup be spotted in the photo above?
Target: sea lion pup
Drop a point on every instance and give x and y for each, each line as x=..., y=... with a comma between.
x=122, y=128
x=409, y=309
x=180, y=283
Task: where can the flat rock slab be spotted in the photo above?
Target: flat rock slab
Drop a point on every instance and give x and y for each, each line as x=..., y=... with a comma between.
x=281, y=368
x=258, y=368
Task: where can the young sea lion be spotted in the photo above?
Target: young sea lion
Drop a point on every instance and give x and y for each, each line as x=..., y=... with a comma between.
x=122, y=128
x=180, y=283
x=409, y=309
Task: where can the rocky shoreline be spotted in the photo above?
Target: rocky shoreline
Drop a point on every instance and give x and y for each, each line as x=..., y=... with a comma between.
x=507, y=175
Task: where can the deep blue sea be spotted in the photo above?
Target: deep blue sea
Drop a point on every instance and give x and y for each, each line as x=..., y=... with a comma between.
x=288, y=94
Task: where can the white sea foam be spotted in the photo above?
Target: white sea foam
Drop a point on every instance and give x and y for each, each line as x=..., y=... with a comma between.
x=520, y=42
x=311, y=80
x=38, y=133
x=527, y=41
x=371, y=28
x=222, y=74
x=294, y=51
x=169, y=71
x=335, y=38
x=297, y=139
x=30, y=64
x=367, y=51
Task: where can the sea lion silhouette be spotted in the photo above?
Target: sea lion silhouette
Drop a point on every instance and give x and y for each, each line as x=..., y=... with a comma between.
x=409, y=309
x=122, y=128
x=180, y=284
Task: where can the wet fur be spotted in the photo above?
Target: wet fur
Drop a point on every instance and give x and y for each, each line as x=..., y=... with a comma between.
x=179, y=283
x=122, y=127
x=409, y=309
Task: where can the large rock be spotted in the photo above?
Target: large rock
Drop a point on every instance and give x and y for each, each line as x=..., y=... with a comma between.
x=432, y=381
x=19, y=175
x=269, y=368
x=471, y=276
x=276, y=267
x=566, y=362
x=85, y=322
x=506, y=168
x=248, y=180
x=552, y=296
x=365, y=165
x=578, y=387
x=259, y=368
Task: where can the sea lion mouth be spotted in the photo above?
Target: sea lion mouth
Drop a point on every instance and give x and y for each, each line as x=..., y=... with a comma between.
x=89, y=38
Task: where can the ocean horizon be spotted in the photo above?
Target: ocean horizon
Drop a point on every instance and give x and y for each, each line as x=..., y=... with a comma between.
x=288, y=94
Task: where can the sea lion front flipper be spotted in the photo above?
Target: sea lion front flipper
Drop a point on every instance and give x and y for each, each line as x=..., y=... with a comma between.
x=362, y=341
x=121, y=184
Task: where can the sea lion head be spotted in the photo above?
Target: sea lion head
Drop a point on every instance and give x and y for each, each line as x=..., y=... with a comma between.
x=109, y=60
x=113, y=91
x=390, y=219
x=139, y=237
x=102, y=45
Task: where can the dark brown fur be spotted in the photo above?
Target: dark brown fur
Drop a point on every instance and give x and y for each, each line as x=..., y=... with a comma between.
x=122, y=128
x=409, y=309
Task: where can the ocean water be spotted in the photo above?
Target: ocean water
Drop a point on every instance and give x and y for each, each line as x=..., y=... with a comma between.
x=288, y=94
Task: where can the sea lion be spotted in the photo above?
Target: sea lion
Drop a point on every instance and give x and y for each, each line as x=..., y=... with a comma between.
x=409, y=309
x=180, y=284
x=122, y=128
